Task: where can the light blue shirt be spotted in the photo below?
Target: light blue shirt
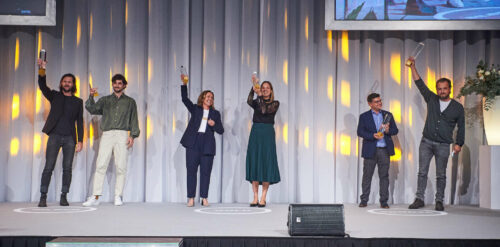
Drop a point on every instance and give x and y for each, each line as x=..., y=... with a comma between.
x=378, y=119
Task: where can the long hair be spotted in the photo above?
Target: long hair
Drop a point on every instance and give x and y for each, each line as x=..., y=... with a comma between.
x=271, y=97
x=73, y=88
x=202, y=97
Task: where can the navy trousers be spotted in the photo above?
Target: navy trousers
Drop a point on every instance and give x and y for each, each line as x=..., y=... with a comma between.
x=195, y=158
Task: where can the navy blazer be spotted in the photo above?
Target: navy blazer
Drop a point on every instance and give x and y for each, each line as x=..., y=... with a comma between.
x=366, y=129
x=189, y=136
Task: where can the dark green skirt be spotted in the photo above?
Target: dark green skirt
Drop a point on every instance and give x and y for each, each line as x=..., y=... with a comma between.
x=262, y=162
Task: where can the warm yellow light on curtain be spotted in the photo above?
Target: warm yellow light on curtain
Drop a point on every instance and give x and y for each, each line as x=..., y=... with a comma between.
x=451, y=89
x=15, y=106
x=286, y=19
x=91, y=135
x=14, y=146
x=329, y=40
x=77, y=84
x=345, y=145
x=306, y=79
x=126, y=13
x=16, y=55
x=306, y=137
x=345, y=45
x=410, y=156
x=330, y=88
x=410, y=116
x=357, y=146
x=409, y=78
x=38, y=101
x=149, y=7
x=39, y=45
x=173, y=123
x=329, y=142
x=78, y=31
x=306, y=27
x=110, y=83
x=126, y=71
x=91, y=84
x=345, y=93
x=285, y=72
x=285, y=133
x=431, y=79
x=37, y=143
x=397, y=154
x=91, y=26
x=149, y=127
x=369, y=55
x=248, y=58
x=395, y=108
x=396, y=67
x=150, y=69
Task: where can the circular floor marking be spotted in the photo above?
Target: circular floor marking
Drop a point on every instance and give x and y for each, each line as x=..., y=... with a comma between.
x=54, y=210
x=232, y=210
x=407, y=212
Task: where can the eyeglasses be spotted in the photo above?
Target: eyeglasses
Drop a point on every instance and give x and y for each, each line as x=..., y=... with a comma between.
x=377, y=101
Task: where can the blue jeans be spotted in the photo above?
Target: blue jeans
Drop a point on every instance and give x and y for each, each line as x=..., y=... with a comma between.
x=54, y=144
x=441, y=152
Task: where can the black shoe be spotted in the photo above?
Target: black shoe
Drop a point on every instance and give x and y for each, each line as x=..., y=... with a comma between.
x=262, y=205
x=439, y=206
x=43, y=201
x=384, y=205
x=254, y=204
x=363, y=204
x=63, y=201
x=417, y=204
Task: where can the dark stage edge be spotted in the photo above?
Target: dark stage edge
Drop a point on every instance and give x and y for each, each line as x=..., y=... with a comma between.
x=39, y=241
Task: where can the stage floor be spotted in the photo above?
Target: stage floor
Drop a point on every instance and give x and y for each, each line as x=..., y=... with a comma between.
x=238, y=220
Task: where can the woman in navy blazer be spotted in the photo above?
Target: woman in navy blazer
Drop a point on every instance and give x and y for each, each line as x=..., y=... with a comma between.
x=199, y=141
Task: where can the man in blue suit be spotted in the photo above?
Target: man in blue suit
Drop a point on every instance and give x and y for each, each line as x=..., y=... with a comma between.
x=377, y=147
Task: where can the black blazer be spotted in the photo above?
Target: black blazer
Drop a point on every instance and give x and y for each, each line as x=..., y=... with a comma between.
x=189, y=136
x=366, y=129
x=56, y=100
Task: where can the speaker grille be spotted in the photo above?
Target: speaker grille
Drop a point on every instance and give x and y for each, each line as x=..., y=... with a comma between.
x=316, y=220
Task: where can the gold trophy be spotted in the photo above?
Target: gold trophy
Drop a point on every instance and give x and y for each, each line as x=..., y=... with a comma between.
x=415, y=53
x=184, y=74
x=255, y=80
x=381, y=130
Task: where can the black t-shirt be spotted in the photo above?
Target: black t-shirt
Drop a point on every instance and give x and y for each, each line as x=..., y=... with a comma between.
x=63, y=126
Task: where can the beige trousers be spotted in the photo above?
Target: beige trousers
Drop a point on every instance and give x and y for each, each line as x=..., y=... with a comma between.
x=112, y=141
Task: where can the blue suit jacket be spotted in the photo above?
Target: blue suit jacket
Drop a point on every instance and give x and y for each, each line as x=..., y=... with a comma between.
x=366, y=129
x=189, y=136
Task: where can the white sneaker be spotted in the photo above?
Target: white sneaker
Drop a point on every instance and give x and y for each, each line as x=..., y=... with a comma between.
x=118, y=201
x=456, y=3
x=91, y=201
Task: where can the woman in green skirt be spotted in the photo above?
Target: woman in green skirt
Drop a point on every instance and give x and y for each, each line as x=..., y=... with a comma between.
x=262, y=162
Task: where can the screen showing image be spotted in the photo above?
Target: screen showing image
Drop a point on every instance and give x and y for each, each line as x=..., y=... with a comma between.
x=417, y=9
x=23, y=7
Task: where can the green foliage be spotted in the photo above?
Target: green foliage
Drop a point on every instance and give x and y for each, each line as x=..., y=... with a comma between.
x=486, y=82
x=354, y=14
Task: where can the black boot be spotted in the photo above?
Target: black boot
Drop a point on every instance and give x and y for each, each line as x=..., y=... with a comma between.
x=63, y=201
x=439, y=206
x=43, y=200
x=417, y=204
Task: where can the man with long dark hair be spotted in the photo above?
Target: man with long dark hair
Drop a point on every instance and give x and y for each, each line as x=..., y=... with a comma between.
x=65, y=110
x=119, y=116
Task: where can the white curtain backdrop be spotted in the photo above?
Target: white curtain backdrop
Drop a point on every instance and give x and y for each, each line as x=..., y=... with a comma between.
x=321, y=79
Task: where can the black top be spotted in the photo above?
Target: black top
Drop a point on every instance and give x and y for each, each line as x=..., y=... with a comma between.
x=263, y=110
x=64, y=111
x=439, y=125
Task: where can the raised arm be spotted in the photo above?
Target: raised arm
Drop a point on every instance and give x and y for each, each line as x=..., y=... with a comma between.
x=424, y=90
x=93, y=107
x=42, y=81
x=187, y=102
x=250, y=101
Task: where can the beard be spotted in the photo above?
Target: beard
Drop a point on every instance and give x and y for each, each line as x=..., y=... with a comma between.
x=444, y=96
x=118, y=90
x=68, y=90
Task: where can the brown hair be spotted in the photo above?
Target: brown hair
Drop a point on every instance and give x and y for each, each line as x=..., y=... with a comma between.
x=202, y=97
x=272, y=90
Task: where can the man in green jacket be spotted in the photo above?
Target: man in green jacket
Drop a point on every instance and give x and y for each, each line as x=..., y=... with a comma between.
x=119, y=115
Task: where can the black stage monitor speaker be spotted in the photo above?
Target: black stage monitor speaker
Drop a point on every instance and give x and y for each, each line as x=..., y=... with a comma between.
x=316, y=220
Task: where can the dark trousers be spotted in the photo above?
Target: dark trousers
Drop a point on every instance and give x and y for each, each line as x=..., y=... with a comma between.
x=195, y=158
x=382, y=160
x=54, y=144
x=441, y=152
